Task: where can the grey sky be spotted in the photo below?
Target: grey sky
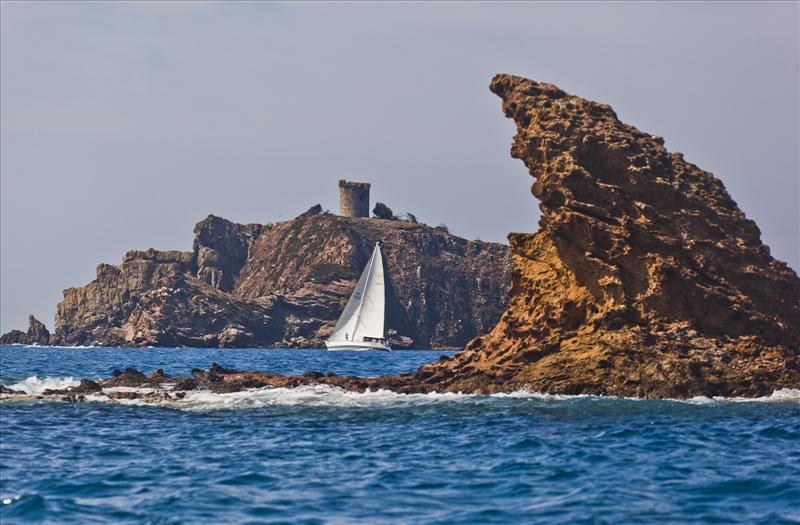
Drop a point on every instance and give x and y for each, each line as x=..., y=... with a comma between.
x=121, y=125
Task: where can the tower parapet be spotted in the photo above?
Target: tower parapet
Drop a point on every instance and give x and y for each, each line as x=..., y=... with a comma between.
x=353, y=198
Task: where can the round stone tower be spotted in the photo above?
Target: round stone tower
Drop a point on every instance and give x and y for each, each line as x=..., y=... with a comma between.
x=353, y=199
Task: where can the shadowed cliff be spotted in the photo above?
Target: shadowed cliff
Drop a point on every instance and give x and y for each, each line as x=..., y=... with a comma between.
x=285, y=284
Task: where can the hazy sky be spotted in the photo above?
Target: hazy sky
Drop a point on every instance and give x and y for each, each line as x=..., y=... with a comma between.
x=121, y=125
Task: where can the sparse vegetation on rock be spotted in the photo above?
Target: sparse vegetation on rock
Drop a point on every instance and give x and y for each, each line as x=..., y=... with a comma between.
x=285, y=284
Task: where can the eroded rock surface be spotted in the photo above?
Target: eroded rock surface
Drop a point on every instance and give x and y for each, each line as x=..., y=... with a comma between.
x=644, y=279
x=285, y=284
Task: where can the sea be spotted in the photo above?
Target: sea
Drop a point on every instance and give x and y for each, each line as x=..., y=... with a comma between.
x=322, y=455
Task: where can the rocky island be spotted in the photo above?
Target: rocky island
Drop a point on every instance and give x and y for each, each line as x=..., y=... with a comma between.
x=285, y=284
x=645, y=279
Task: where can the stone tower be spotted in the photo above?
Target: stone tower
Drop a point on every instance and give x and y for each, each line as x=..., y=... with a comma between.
x=353, y=199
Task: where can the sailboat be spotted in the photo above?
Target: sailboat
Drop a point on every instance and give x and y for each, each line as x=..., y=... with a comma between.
x=360, y=326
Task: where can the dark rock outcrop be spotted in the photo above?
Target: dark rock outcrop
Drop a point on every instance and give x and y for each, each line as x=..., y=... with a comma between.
x=37, y=334
x=14, y=337
x=285, y=284
x=382, y=211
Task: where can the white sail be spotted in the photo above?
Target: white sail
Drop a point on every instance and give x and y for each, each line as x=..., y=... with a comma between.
x=370, y=319
x=346, y=324
x=363, y=315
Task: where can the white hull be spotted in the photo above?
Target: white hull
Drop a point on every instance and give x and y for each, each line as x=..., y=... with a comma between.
x=355, y=346
x=360, y=327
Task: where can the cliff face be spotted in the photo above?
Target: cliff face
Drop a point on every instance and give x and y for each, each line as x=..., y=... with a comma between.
x=285, y=284
x=644, y=279
x=221, y=249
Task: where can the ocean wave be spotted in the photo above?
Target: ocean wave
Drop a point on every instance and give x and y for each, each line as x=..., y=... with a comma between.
x=327, y=395
x=70, y=347
x=331, y=396
x=527, y=394
x=35, y=386
x=784, y=395
x=309, y=396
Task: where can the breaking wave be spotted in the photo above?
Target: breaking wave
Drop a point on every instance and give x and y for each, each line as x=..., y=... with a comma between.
x=35, y=386
x=780, y=396
x=307, y=396
x=331, y=396
x=325, y=395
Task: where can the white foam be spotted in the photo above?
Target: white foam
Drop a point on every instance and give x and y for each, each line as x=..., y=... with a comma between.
x=331, y=396
x=35, y=386
x=784, y=395
x=527, y=394
x=311, y=396
x=141, y=390
x=60, y=347
x=700, y=400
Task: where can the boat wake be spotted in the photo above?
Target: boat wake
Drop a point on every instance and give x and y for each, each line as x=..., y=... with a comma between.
x=331, y=396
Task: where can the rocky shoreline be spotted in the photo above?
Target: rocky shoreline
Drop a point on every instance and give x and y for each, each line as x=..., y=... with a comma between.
x=157, y=387
x=645, y=279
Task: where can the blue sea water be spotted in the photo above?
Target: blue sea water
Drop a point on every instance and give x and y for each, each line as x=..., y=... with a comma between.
x=321, y=455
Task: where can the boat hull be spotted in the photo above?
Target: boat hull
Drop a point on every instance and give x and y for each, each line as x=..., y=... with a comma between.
x=355, y=346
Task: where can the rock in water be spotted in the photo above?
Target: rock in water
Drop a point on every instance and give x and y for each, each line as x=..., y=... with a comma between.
x=37, y=331
x=37, y=334
x=14, y=337
x=644, y=279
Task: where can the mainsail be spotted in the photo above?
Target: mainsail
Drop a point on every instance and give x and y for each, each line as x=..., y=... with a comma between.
x=363, y=315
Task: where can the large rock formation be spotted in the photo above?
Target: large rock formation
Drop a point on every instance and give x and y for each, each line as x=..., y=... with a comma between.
x=285, y=284
x=37, y=334
x=644, y=279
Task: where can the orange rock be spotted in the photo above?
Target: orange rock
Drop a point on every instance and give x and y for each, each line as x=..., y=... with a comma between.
x=644, y=279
